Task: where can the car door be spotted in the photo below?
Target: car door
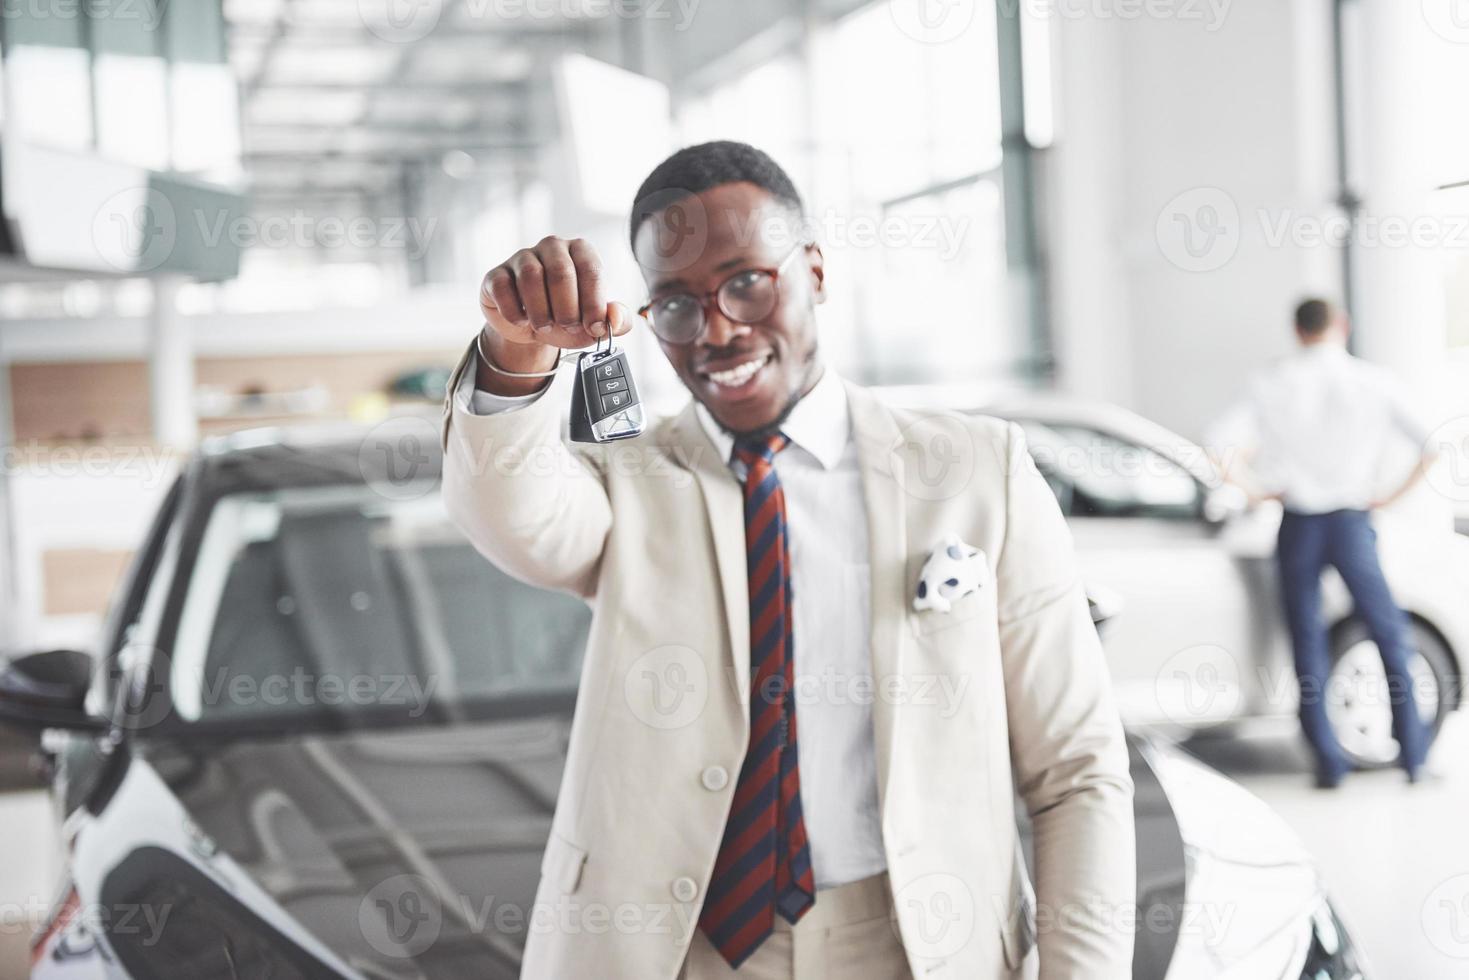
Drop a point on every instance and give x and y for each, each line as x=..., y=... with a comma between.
x=1180, y=638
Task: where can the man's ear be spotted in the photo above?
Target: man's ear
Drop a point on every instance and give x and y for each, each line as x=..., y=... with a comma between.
x=818, y=272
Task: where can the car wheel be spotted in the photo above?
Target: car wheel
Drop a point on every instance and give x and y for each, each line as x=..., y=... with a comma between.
x=1358, y=708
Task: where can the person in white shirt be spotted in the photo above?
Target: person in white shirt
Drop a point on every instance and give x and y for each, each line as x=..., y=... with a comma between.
x=1311, y=431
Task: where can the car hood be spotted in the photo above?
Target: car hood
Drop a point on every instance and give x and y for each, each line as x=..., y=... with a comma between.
x=356, y=834
x=1252, y=887
x=360, y=836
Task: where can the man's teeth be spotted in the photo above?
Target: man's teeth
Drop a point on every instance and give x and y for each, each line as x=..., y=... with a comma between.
x=739, y=374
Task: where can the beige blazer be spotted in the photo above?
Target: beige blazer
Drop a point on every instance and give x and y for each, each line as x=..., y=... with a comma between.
x=651, y=532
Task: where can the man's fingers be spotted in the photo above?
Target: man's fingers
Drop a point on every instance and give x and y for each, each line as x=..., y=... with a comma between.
x=561, y=281
x=530, y=284
x=499, y=297
x=591, y=301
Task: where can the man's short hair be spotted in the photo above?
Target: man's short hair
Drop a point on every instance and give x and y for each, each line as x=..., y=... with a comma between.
x=1313, y=316
x=696, y=169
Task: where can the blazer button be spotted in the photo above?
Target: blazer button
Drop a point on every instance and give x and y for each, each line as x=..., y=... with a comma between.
x=715, y=778
x=685, y=890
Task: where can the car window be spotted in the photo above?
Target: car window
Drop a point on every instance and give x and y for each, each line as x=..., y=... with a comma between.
x=335, y=601
x=1097, y=474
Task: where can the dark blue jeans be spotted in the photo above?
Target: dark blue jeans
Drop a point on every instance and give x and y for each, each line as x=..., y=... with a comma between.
x=1345, y=540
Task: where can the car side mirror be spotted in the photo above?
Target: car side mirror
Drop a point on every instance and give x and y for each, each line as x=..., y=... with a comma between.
x=47, y=690
x=1224, y=503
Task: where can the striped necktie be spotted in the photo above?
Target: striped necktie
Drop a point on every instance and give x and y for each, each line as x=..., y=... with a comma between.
x=764, y=863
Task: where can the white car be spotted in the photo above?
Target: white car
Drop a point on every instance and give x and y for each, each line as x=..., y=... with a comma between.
x=1203, y=643
x=324, y=739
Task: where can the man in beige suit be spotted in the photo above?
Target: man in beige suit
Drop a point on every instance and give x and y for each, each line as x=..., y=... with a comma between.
x=780, y=553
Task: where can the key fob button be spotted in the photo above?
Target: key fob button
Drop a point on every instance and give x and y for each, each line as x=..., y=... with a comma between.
x=614, y=402
x=610, y=368
x=607, y=386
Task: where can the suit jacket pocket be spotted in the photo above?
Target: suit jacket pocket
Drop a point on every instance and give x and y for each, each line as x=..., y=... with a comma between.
x=961, y=611
x=562, y=862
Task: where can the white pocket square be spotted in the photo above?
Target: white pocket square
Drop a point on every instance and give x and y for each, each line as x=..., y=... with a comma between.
x=953, y=570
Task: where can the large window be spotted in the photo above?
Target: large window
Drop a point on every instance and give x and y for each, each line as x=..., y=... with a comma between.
x=896, y=142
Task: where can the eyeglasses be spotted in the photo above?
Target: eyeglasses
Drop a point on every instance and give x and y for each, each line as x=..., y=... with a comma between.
x=748, y=296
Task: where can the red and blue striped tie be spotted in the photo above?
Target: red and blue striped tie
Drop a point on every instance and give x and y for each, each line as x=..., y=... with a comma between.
x=764, y=863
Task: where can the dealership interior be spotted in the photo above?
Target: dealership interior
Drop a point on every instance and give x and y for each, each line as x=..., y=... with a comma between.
x=240, y=256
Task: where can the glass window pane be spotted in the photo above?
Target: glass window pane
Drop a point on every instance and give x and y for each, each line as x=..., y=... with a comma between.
x=132, y=109
x=55, y=108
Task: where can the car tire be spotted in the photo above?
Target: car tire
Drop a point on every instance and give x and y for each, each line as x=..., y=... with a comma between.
x=1363, y=725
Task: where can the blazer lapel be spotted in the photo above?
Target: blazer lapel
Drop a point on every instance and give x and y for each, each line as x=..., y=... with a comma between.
x=878, y=441
x=726, y=510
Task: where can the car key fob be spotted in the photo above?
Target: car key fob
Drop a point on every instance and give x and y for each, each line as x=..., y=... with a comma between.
x=604, y=400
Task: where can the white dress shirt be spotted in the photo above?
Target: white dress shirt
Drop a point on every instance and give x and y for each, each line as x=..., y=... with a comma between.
x=827, y=520
x=1319, y=422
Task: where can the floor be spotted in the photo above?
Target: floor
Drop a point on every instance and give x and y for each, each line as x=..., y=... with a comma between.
x=1395, y=857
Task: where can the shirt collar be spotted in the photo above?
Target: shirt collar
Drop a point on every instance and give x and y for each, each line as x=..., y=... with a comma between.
x=819, y=423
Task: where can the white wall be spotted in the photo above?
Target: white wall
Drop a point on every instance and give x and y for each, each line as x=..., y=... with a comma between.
x=1162, y=119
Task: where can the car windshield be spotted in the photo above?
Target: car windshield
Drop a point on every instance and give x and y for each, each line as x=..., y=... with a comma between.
x=330, y=602
x=1097, y=474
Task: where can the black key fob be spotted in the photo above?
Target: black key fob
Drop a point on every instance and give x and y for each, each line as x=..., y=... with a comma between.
x=604, y=400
